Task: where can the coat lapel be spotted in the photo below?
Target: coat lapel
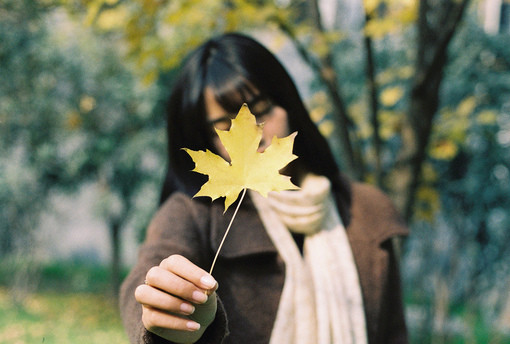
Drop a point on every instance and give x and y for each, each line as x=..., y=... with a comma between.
x=247, y=235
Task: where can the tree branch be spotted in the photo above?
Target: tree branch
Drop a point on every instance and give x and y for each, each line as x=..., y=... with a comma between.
x=445, y=36
x=374, y=105
x=425, y=94
x=326, y=73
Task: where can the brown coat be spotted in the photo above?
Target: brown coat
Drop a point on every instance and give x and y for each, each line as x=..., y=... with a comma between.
x=250, y=272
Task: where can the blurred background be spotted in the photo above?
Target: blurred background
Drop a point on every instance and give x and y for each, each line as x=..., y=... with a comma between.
x=414, y=96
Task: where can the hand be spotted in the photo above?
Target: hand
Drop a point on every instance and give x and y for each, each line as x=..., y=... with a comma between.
x=178, y=300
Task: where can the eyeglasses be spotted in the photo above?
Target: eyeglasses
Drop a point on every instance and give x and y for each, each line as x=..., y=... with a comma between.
x=260, y=107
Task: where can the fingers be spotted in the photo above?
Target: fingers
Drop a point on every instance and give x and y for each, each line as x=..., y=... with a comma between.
x=173, y=284
x=156, y=320
x=177, y=297
x=182, y=267
x=151, y=297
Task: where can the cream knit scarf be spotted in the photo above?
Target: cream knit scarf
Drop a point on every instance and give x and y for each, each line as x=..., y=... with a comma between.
x=321, y=299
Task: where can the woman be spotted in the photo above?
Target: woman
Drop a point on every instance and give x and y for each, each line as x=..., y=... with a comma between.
x=308, y=266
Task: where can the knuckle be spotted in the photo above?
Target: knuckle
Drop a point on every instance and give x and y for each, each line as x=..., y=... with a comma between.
x=152, y=274
x=171, y=260
x=149, y=319
x=140, y=292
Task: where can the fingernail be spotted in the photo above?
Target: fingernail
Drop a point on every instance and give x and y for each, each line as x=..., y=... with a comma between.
x=199, y=296
x=186, y=308
x=193, y=326
x=208, y=281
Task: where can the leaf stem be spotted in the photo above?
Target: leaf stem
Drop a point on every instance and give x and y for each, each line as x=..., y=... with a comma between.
x=226, y=232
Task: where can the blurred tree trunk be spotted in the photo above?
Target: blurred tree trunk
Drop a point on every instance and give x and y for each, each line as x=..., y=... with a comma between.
x=324, y=69
x=373, y=105
x=115, y=227
x=437, y=23
x=116, y=223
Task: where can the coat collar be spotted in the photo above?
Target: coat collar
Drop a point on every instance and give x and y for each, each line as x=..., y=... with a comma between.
x=372, y=218
x=247, y=235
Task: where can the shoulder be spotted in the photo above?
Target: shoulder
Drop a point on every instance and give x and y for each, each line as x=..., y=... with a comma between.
x=180, y=203
x=368, y=196
x=374, y=213
x=179, y=212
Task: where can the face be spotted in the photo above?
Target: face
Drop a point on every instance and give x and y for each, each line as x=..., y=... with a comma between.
x=273, y=116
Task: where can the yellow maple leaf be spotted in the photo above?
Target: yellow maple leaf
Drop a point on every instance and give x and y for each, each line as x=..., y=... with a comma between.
x=248, y=168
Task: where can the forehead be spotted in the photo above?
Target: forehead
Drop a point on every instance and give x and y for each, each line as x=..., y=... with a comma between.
x=219, y=106
x=229, y=88
x=213, y=109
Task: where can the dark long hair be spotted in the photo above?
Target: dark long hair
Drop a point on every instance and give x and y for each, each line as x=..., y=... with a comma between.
x=235, y=66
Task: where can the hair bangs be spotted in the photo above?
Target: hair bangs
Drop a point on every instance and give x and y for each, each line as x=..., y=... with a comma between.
x=230, y=88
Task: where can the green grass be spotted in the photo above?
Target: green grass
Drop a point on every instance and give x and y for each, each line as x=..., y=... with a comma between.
x=69, y=302
x=51, y=317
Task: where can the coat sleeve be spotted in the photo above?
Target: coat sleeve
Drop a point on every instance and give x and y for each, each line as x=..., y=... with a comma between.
x=375, y=226
x=176, y=228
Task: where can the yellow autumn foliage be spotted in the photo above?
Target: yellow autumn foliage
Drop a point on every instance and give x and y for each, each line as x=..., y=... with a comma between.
x=391, y=95
x=428, y=203
x=396, y=14
x=326, y=128
x=73, y=120
x=466, y=106
x=112, y=19
x=443, y=150
x=389, y=75
x=318, y=113
x=487, y=117
x=390, y=123
x=87, y=103
x=429, y=173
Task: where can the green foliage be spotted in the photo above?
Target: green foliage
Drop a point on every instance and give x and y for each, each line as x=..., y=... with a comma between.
x=72, y=276
x=70, y=112
x=26, y=91
x=70, y=302
x=469, y=166
x=60, y=318
x=465, y=324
